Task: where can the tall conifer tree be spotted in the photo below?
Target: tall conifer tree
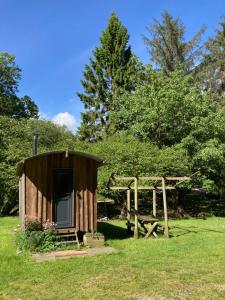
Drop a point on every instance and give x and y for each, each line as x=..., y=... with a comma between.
x=212, y=70
x=168, y=48
x=111, y=72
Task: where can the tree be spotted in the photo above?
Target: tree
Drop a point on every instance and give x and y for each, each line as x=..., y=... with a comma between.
x=10, y=104
x=112, y=71
x=126, y=155
x=9, y=74
x=16, y=145
x=205, y=147
x=26, y=108
x=162, y=109
x=167, y=46
x=212, y=69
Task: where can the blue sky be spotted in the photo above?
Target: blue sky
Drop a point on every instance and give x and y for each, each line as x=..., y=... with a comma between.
x=53, y=40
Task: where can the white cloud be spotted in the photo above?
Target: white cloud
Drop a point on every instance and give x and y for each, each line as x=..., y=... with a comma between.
x=65, y=119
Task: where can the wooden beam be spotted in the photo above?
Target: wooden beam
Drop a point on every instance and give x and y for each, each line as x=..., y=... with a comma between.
x=124, y=188
x=136, y=208
x=178, y=178
x=22, y=204
x=128, y=205
x=155, y=187
x=124, y=178
x=154, y=203
x=151, y=230
x=150, y=178
x=167, y=178
x=129, y=184
x=166, y=229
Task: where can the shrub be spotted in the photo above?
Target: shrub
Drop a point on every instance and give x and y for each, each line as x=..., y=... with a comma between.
x=35, y=239
x=32, y=224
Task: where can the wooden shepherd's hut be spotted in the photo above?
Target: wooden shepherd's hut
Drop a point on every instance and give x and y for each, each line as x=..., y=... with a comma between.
x=59, y=187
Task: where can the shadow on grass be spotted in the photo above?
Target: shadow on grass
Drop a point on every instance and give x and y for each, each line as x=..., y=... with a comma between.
x=112, y=232
x=191, y=230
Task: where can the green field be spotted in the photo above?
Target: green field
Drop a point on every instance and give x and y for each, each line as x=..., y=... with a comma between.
x=190, y=265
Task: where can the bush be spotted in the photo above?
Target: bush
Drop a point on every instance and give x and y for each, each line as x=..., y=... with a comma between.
x=32, y=224
x=40, y=241
x=35, y=239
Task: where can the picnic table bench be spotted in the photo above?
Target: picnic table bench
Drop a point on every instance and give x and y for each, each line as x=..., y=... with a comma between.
x=148, y=223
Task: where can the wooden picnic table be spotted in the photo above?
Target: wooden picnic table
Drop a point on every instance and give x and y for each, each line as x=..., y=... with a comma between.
x=149, y=224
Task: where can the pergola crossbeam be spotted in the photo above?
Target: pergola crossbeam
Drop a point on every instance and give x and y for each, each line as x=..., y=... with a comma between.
x=142, y=188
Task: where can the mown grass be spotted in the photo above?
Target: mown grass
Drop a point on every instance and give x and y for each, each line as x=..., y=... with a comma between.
x=190, y=265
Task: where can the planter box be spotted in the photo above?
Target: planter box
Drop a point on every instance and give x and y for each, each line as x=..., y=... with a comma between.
x=94, y=241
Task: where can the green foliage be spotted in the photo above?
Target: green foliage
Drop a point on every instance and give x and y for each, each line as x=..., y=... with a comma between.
x=33, y=238
x=168, y=48
x=162, y=109
x=10, y=104
x=211, y=72
x=206, y=150
x=126, y=155
x=9, y=74
x=94, y=234
x=112, y=71
x=145, y=123
x=40, y=241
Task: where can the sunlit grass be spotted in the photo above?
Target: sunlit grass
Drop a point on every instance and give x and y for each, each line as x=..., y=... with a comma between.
x=190, y=265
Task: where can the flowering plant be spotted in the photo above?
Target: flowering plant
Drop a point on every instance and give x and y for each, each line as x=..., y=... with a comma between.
x=48, y=225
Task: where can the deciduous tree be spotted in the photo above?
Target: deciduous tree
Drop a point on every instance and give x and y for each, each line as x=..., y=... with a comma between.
x=162, y=109
x=10, y=104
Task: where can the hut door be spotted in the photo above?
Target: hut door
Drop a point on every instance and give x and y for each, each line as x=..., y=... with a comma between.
x=63, y=189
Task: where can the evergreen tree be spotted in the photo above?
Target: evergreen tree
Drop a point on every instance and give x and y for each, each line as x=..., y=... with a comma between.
x=212, y=70
x=167, y=46
x=112, y=71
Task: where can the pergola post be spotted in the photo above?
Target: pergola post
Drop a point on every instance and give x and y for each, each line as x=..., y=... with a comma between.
x=166, y=229
x=136, y=208
x=154, y=203
x=128, y=206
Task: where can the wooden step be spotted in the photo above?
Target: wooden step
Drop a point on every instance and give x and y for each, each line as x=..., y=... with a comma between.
x=67, y=242
x=65, y=230
x=65, y=235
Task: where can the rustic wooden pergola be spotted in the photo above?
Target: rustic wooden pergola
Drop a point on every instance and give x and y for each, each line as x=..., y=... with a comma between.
x=134, y=185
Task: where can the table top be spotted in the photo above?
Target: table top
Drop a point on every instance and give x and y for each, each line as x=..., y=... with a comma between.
x=147, y=219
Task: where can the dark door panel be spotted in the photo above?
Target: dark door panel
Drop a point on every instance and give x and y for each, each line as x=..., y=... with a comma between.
x=63, y=190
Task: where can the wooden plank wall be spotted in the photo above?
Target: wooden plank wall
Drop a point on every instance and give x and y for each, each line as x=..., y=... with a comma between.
x=39, y=190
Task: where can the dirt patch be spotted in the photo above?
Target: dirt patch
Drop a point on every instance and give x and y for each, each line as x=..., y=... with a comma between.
x=41, y=257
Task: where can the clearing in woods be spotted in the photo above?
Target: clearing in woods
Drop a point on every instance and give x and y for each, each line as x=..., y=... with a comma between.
x=190, y=265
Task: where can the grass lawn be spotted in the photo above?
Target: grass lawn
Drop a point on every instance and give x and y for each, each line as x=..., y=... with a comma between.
x=190, y=265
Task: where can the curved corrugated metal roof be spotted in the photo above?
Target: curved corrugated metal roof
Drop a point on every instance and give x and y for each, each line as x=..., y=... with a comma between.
x=82, y=154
